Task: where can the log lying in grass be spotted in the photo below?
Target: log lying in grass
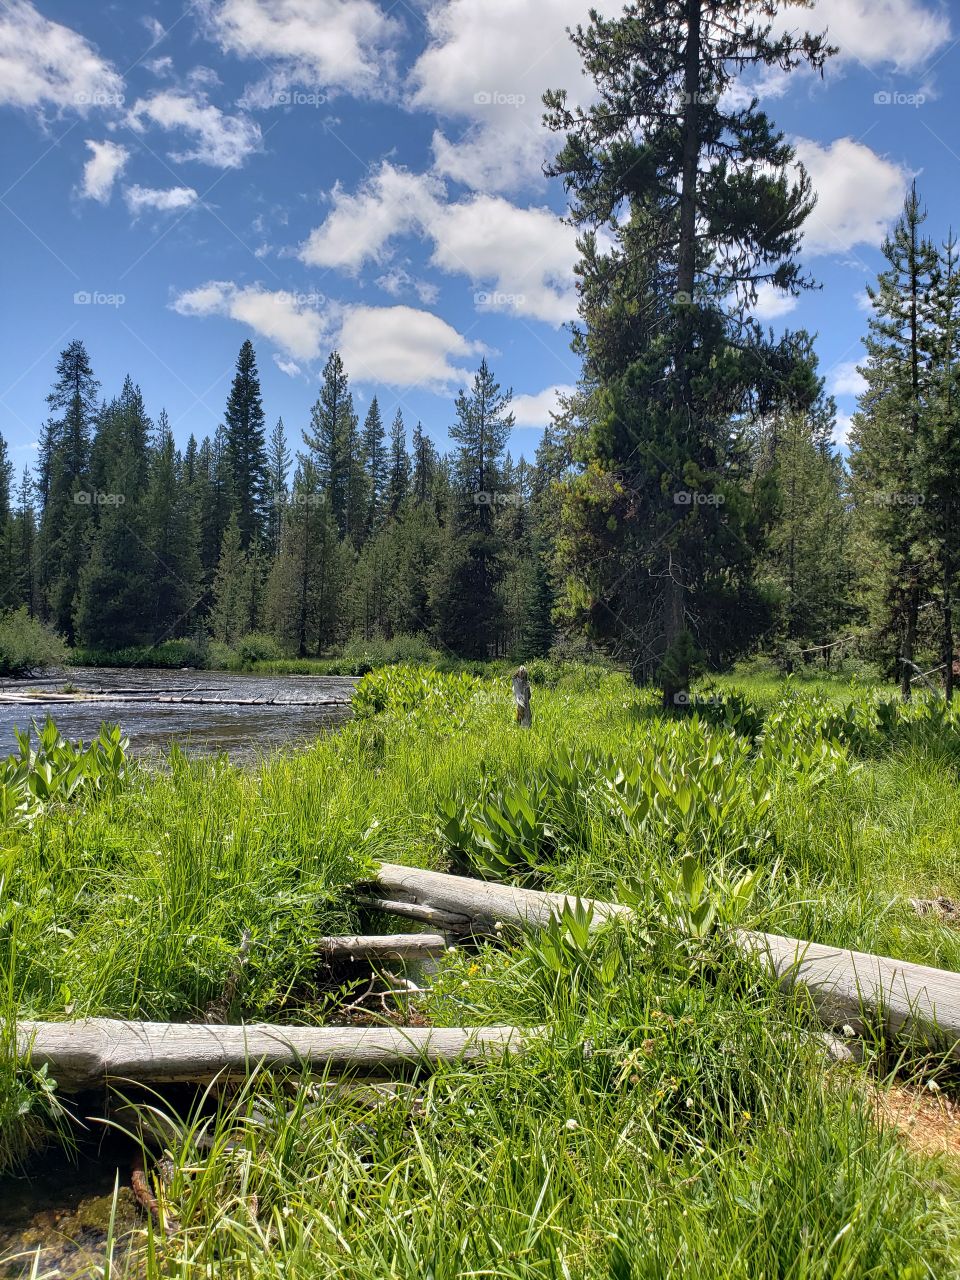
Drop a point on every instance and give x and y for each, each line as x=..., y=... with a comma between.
x=479, y=903
x=386, y=946
x=859, y=989
x=847, y=987
x=88, y=1054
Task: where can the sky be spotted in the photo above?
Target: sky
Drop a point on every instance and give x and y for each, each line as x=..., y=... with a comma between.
x=367, y=175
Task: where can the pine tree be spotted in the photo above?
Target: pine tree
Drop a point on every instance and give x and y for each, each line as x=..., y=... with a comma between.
x=886, y=455
x=25, y=542
x=306, y=581
x=465, y=601
x=424, y=463
x=172, y=537
x=230, y=611
x=331, y=439
x=278, y=468
x=398, y=466
x=808, y=544
x=9, y=570
x=704, y=203
x=67, y=508
x=246, y=452
x=481, y=430
x=375, y=464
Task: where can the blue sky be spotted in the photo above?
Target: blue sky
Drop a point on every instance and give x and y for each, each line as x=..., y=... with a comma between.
x=309, y=173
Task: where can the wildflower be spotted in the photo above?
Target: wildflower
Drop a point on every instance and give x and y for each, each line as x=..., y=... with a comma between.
x=451, y=951
x=933, y=1086
x=572, y=1124
x=474, y=968
x=848, y=1031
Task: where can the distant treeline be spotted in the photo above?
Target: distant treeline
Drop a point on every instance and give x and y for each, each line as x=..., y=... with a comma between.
x=118, y=538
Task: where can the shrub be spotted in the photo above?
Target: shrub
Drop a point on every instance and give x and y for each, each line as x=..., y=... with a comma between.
x=27, y=645
x=257, y=647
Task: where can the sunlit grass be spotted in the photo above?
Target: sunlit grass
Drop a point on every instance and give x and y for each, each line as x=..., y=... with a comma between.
x=678, y=1118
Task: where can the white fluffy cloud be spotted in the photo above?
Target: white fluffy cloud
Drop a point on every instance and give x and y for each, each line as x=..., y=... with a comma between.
x=858, y=194
x=285, y=318
x=158, y=200
x=772, y=303
x=486, y=67
x=900, y=34
x=331, y=44
x=403, y=347
x=520, y=260
x=219, y=140
x=44, y=64
x=359, y=228
x=400, y=346
x=846, y=380
x=289, y=367
x=106, y=163
x=534, y=410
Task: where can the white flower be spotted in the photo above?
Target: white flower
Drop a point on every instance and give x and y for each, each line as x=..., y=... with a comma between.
x=572, y=1124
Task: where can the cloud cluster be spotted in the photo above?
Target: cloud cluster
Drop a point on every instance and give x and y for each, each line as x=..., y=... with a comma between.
x=323, y=44
x=44, y=64
x=141, y=200
x=858, y=194
x=400, y=346
x=219, y=140
x=106, y=163
x=522, y=257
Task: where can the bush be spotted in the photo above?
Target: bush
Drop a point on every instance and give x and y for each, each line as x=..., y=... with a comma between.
x=257, y=647
x=26, y=645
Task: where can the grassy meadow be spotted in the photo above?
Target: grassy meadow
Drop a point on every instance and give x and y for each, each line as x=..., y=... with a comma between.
x=678, y=1116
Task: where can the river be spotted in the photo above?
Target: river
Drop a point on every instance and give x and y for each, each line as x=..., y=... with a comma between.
x=242, y=715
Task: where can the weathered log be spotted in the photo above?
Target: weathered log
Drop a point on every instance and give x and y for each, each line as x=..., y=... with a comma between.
x=411, y=910
x=482, y=902
x=386, y=946
x=847, y=987
x=88, y=1054
x=855, y=988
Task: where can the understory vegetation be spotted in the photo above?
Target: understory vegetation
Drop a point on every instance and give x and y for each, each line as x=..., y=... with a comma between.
x=675, y=1115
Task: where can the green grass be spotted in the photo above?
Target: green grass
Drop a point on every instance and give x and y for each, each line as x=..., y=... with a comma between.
x=676, y=1119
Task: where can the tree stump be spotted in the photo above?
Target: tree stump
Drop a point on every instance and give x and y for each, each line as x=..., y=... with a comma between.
x=521, y=696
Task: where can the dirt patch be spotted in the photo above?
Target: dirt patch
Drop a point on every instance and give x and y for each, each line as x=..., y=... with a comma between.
x=927, y=1119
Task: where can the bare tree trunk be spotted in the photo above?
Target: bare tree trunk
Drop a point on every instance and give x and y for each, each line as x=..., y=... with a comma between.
x=521, y=696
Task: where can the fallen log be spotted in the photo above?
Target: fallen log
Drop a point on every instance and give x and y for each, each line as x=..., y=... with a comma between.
x=480, y=902
x=88, y=1054
x=455, y=921
x=851, y=988
x=861, y=990
x=386, y=946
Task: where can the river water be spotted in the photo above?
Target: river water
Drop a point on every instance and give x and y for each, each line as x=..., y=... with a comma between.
x=290, y=710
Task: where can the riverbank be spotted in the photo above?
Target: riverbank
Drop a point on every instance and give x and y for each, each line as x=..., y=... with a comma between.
x=679, y=1117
